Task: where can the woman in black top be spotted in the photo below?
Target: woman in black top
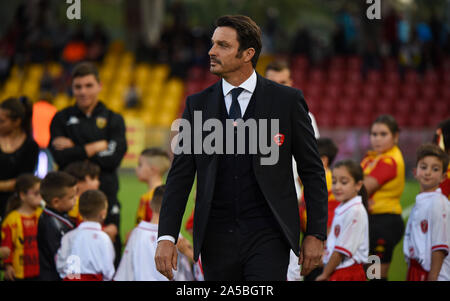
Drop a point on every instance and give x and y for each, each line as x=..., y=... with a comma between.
x=18, y=151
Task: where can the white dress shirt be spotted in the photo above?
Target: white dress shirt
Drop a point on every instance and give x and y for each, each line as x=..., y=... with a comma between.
x=428, y=230
x=349, y=234
x=86, y=250
x=138, y=260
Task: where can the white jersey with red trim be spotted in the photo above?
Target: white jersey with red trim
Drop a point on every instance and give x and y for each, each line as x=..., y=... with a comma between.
x=86, y=250
x=138, y=259
x=349, y=234
x=444, y=275
x=427, y=229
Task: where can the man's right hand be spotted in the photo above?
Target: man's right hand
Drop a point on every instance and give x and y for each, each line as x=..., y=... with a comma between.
x=166, y=258
x=95, y=147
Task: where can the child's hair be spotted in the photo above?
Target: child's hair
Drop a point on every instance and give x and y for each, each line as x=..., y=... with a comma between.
x=389, y=121
x=81, y=169
x=327, y=148
x=54, y=185
x=428, y=149
x=91, y=203
x=19, y=108
x=157, y=157
x=357, y=173
x=156, y=202
x=24, y=183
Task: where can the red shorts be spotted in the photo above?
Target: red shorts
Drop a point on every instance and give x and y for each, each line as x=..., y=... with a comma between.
x=416, y=272
x=85, y=277
x=352, y=273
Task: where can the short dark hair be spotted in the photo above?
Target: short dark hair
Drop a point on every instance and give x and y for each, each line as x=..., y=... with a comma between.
x=248, y=33
x=432, y=150
x=157, y=157
x=81, y=169
x=84, y=69
x=389, y=121
x=91, y=203
x=327, y=148
x=277, y=66
x=54, y=185
x=156, y=202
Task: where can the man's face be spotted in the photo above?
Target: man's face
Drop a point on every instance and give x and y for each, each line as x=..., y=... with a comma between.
x=86, y=90
x=282, y=77
x=224, y=55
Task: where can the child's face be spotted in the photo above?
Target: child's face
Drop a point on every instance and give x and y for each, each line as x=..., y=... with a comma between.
x=89, y=183
x=381, y=138
x=143, y=170
x=66, y=203
x=344, y=186
x=429, y=173
x=33, y=196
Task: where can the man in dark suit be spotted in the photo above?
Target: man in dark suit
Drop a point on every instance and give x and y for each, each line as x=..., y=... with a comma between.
x=246, y=217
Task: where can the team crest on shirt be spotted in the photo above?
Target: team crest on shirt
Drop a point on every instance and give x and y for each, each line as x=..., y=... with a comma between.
x=279, y=139
x=101, y=122
x=424, y=226
x=337, y=230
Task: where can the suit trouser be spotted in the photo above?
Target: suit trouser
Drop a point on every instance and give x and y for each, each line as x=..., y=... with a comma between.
x=259, y=255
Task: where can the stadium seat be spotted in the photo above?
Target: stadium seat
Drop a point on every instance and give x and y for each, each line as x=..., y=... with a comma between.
x=384, y=106
x=409, y=90
x=300, y=62
x=389, y=91
x=431, y=77
x=364, y=106
x=412, y=77
x=346, y=106
x=402, y=106
x=354, y=63
x=421, y=107
x=329, y=105
x=325, y=119
x=354, y=78
x=313, y=90
x=402, y=119
x=392, y=77
x=351, y=91
x=445, y=92
x=370, y=92
x=390, y=65
x=332, y=91
x=362, y=121
x=429, y=92
x=313, y=104
x=316, y=76
x=335, y=76
x=343, y=120
x=337, y=63
x=374, y=77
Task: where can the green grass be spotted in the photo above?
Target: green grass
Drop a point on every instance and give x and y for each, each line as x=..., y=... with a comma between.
x=131, y=191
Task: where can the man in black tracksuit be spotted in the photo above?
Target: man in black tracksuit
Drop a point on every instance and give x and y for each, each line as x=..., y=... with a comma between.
x=90, y=131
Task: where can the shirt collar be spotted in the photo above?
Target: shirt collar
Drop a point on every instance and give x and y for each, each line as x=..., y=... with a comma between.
x=344, y=206
x=148, y=226
x=249, y=85
x=99, y=108
x=88, y=224
x=423, y=196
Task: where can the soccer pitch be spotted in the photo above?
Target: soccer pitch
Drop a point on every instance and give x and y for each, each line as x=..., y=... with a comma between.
x=131, y=190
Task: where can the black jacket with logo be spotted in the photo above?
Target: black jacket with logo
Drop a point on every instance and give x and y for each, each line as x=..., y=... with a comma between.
x=103, y=124
x=52, y=226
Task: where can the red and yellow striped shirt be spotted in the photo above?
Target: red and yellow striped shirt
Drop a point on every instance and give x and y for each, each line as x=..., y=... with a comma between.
x=388, y=169
x=19, y=234
x=144, y=212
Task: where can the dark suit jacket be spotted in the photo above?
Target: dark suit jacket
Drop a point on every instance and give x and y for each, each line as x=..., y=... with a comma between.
x=273, y=101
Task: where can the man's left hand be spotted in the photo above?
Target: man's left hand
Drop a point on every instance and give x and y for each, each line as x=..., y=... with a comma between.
x=311, y=253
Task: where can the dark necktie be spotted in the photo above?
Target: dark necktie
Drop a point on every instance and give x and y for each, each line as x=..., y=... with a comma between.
x=235, y=109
